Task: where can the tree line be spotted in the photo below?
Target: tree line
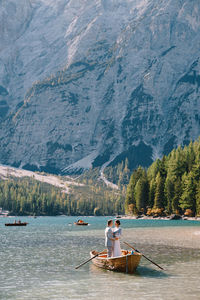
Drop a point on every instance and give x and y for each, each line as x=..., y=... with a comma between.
x=169, y=185
x=30, y=197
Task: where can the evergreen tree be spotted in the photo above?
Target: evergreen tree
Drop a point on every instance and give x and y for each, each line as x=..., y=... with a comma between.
x=177, y=196
x=159, y=192
x=169, y=194
x=190, y=156
x=130, y=201
x=187, y=200
x=141, y=194
x=197, y=198
x=162, y=167
x=152, y=190
x=153, y=169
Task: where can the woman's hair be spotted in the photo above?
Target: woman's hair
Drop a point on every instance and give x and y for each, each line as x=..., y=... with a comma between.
x=109, y=222
x=118, y=222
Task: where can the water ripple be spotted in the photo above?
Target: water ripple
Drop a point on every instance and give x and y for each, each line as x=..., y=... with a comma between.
x=38, y=262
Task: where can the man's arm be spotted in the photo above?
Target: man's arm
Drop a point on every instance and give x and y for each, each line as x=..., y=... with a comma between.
x=110, y=235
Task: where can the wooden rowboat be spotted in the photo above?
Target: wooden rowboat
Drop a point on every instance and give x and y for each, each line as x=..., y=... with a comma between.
x=128, y=262
x=80, y=222
x=77, y=223
x=16, y=224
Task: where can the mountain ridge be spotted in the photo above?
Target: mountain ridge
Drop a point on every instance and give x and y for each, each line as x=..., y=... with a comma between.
x=98, y=82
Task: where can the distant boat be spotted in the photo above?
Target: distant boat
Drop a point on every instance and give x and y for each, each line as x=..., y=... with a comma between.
x=127, y=263
x=19, y=223
x=80, y=222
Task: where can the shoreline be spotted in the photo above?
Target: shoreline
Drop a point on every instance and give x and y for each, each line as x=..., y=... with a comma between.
x=169, y=218
x=120, y=217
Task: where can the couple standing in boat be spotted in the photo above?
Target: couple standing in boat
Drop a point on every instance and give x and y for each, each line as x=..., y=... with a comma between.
x=112, y=236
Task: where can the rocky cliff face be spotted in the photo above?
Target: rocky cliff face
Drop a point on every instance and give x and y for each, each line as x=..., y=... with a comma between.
x=87, y=83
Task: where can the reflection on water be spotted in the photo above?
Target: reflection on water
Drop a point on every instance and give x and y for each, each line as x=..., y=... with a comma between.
x=149, y=272
x=38, y=261
x=142, y=271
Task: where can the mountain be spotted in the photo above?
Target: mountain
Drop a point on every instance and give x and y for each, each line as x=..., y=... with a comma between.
x=88, y=83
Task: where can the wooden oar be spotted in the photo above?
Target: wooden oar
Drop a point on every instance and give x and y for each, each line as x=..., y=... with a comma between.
x=85, y=262
x=143, y=255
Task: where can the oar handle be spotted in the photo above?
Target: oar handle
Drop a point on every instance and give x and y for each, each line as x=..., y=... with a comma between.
x=85, y=262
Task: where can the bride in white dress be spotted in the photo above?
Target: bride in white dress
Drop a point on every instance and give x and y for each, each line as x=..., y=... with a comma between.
x=117, y=232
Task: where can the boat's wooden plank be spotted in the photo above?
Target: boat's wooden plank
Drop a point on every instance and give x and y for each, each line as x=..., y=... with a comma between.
x=125, y=263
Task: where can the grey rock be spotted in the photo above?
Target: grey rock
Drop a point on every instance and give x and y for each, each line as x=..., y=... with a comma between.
x=175, y=217
x=88, y=83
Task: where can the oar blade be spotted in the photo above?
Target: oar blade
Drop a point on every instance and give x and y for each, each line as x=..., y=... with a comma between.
x=143, y=255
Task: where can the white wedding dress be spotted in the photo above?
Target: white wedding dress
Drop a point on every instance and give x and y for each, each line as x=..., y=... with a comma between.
x=116, y=247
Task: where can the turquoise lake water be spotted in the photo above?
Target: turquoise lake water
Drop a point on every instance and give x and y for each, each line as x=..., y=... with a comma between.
x=38, y=261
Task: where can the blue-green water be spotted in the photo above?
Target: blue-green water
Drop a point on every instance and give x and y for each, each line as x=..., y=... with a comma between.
x=38, y=261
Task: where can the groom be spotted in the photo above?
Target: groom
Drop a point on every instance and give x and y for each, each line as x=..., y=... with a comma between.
x=109, y=238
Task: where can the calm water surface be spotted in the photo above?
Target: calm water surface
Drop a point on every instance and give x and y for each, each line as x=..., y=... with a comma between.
x=38, y=261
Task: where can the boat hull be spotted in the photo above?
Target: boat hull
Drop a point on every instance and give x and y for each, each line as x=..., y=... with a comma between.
x=128, y=262
x=80, y=224
x=17, y=224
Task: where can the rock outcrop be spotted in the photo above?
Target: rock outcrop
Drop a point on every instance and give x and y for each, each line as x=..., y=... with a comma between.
x=87, y=83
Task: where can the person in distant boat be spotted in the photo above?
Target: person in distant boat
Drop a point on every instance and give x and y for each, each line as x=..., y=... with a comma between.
x=80, y=221
x=109, y=239
x=117, y=232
